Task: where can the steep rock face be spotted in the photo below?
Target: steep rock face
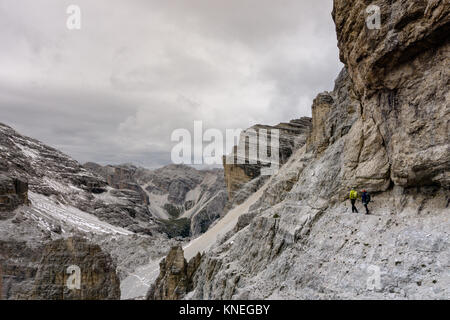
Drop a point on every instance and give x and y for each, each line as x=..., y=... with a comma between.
x=36, y=268
x=326, y=253
x=175, y=278
x=333, y=113
x=381, y=59
x=400, y=75
x=238, y=168
x=198, y=195
x=98, y=278
x=306, y=244
x=13, y=193
x=29, y=158
x=176, y=194
x=206, y=215
x=300, y=240
x=63, y=200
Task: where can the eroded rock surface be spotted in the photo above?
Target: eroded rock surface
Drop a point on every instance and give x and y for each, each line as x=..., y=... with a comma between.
x=401, y=76
x=383, y=128
x=13, y=193
x=239, y=169
x=179, y=195
x=33, y=269
x=176, y=276
x=52, y=175
x=97, y=272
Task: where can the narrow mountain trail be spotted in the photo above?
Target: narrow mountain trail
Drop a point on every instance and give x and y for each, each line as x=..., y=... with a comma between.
x=138, y=283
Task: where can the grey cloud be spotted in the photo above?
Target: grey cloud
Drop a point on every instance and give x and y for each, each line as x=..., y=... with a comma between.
x=114, y=91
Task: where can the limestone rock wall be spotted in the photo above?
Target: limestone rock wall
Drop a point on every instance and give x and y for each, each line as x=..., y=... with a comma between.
x=32, y=270
x=333, y=114
x=401, y=76
x=385, y=129
x=238, y=169
x=13, y=193
x=54, y=175
x=176, y=276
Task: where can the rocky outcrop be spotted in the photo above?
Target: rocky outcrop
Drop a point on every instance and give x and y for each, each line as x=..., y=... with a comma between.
x=175, y=277
x=177, y=195
x=400, y=75
x=65, y=261
x=13, y=193
x=333, y=114
x=53, y=176
x=239, y=169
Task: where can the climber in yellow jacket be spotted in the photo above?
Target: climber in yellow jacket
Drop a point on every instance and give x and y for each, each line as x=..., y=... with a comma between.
x=353, y=196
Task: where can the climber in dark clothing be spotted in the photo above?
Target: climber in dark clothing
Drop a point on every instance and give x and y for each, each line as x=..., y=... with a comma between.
x=365, y=197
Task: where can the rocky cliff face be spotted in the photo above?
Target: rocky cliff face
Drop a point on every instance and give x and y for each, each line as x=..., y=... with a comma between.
x=55, y=177
x=13, y=193
x=175, y=278
x=383, y=128
x=333, y=114
x=401, y=76
x=46, y=196
x=239, y=170
x=120, y=177
x=39, y=270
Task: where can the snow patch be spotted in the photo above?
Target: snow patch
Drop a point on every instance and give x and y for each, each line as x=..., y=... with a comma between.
x=47, y=212
x=28, y=152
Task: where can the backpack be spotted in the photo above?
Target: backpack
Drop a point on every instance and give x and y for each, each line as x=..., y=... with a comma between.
x=353, y=195
x=366, y=198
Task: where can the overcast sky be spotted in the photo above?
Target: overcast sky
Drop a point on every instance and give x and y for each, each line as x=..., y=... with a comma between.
x=115, y=90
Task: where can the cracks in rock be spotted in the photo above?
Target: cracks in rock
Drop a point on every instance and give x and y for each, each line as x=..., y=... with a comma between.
x=309, y=224
x=383, y=144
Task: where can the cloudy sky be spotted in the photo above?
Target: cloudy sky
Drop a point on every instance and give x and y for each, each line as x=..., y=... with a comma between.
x=115, y=90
